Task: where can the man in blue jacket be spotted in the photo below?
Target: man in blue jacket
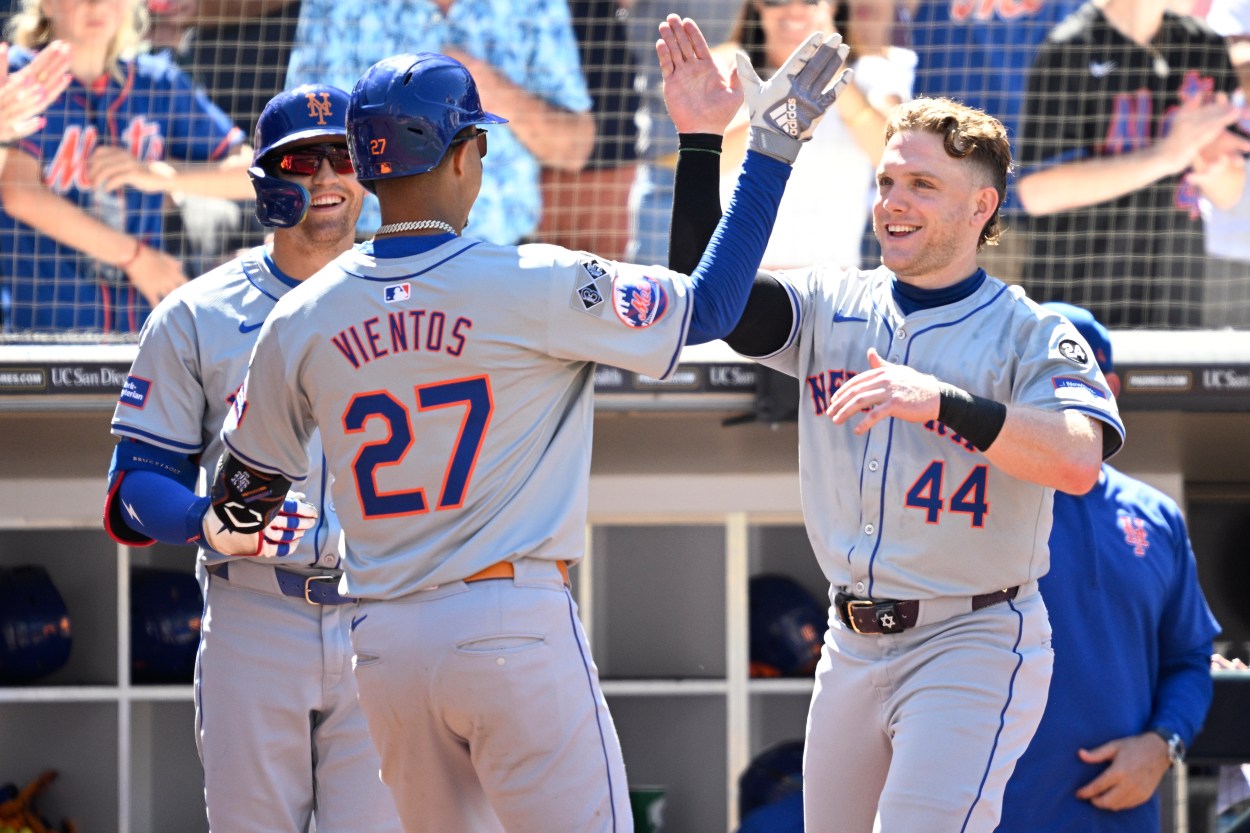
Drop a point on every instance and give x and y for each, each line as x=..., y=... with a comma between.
x=1132, y=640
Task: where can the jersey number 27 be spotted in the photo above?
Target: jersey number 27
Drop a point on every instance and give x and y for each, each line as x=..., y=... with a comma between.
x=473, y=393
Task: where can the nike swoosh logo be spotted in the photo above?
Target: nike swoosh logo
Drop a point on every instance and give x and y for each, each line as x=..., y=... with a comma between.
x=245, y=327
x=839, y=318
x=357, y=620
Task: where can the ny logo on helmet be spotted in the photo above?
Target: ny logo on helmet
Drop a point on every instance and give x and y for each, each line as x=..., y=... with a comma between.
x=319, y=109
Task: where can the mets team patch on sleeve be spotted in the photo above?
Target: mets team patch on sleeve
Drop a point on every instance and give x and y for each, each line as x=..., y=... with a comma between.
x=639, y=301
x=1077, y=390
x=591, y=287
x=135, y=392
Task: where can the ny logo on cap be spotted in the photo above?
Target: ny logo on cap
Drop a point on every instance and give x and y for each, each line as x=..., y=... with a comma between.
x=319, y=110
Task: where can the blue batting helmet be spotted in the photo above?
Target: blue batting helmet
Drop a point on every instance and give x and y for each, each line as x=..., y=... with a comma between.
x=787, y=627
x=165, y=611
x=35, y=636
x=306, y=112
x=771, y=776
x=406, y=110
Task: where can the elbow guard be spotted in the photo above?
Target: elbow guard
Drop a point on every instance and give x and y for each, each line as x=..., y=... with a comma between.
x=244, y=499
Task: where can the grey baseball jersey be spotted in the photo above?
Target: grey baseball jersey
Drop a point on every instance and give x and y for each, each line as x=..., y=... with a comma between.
x=267, y=661
x=192, y=359
x=454, y=393
x=902, y=511
x=912, y=511
x=453, y=390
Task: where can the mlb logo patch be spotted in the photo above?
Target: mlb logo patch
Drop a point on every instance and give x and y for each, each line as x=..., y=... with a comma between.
x=398, y=292
x=639, y=301
x=135, y=392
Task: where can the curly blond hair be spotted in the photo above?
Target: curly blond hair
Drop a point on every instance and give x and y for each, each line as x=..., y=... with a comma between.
x=966, y=133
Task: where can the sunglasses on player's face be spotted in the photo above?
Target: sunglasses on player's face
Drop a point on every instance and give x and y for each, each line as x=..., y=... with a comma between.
x=478, y=134
x=306, y=160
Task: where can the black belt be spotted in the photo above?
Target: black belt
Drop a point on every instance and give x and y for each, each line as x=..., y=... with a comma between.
x=320, y=589
x=892, y=616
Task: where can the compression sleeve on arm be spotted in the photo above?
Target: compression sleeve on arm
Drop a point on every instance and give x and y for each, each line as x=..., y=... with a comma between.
x=722, y=281
x=696, y=207
x=161, y=508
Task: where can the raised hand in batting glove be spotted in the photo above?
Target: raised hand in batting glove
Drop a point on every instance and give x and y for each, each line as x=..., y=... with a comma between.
x=276, y=539
x=785, y=109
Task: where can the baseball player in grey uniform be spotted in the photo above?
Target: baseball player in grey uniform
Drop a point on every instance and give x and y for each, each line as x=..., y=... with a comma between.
x=452, y=382
x=280, y=732
x=940, y=410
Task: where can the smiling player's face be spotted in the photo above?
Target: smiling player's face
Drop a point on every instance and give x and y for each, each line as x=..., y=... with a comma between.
x=929, y=211
x=335, y=199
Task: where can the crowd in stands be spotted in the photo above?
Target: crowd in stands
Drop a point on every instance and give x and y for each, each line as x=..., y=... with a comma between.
x=1127, y=117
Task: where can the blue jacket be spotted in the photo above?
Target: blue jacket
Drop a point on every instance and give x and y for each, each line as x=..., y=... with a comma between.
x=1132, y=639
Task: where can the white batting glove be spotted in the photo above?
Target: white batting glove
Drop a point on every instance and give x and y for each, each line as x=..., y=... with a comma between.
x=786, y=108
x=278, y=539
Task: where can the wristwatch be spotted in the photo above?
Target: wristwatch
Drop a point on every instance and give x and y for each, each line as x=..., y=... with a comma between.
x=1176, y=746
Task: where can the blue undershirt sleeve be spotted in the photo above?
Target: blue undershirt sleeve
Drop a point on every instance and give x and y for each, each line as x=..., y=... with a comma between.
x=723, y=278
x=161, y=508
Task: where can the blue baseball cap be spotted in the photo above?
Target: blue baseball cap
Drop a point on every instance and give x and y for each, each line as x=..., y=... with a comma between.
x=1093, y=332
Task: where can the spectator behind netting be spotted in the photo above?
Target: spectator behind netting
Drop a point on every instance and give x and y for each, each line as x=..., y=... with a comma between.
x=1226, y=294
x=238, y=51
x=979, y=54
x=588, y=210
x=523, y=56
x=1125, y=126
x=651, y=196
x=812, y=227
x=80, y=244
x=25, y=94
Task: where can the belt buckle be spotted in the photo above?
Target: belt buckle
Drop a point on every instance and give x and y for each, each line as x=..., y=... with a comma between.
x=850, y=614
x=308, y=585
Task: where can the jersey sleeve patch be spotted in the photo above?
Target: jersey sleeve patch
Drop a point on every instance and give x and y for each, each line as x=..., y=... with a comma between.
x=1072, y=389
x=639, y=301
x=591, y=288
x=135, y=392
x=1074, y=351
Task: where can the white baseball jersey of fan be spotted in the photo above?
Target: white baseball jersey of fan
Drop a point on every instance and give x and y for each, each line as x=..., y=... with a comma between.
x=403, y=363
x=192, y=358
x=908, y=510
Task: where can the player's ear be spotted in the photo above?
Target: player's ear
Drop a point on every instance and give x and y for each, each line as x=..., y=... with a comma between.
x=460, y=158
x=985, y=202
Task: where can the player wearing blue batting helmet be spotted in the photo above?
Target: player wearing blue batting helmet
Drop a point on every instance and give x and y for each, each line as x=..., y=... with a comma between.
x=306, y=112
x=406, y=111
